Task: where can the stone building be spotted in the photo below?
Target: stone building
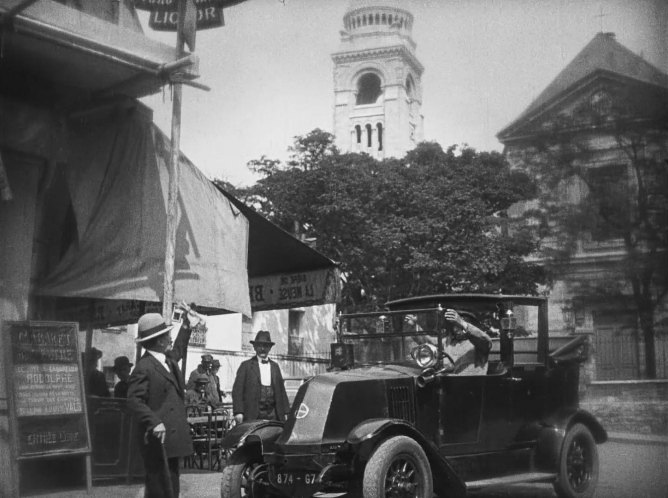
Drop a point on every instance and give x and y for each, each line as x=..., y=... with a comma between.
x=377, y=81
x=608, y=108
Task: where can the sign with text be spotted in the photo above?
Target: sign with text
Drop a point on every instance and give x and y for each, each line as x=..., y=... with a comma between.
x=46, y=390
x=100, y=313
x=294, y=289
x=167, y=20
x=173, y=5
x=165, y=13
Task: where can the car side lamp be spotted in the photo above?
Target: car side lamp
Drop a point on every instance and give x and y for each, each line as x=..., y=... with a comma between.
x=508, y=324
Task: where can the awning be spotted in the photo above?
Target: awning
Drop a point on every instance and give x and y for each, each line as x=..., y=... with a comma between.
x=118, y=179
x=73, y=50
x=283, y=271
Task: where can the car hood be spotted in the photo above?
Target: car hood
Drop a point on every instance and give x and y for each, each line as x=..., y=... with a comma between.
x=329, y=406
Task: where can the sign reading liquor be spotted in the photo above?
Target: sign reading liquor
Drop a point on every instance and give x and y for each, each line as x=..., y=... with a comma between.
x=47, y=409
x=294, y=289
x=165, y=13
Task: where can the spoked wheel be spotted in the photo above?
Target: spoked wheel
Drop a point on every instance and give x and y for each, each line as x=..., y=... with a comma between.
x=398, y=468
x=578, y=466
x=237, y=479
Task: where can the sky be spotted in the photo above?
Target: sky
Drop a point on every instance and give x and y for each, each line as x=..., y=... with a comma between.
x=270, y=69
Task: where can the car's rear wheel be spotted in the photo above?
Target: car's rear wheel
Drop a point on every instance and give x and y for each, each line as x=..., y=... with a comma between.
x=578, y=464
x=236, y=481
x=398, y=468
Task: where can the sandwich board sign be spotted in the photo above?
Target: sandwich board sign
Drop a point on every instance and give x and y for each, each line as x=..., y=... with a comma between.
x=45, y=387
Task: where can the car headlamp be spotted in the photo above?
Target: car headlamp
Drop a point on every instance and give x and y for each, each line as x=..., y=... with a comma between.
x=425, y=355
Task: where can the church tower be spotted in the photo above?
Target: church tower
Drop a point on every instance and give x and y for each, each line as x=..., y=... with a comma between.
x=377, y=81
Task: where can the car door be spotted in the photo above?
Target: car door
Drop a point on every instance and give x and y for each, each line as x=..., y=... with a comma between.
x=460, y=406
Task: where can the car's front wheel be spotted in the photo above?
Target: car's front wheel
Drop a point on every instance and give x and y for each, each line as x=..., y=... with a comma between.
x=236, y=481
x=578, y=464
x=398, y=468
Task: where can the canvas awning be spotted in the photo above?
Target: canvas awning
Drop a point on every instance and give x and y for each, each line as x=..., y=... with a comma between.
x=118, y=178
x=283, y=271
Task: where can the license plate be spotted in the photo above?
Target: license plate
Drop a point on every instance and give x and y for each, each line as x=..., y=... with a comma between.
x=294, y=481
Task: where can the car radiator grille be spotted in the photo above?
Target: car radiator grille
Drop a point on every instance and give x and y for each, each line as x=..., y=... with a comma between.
x=400, y=403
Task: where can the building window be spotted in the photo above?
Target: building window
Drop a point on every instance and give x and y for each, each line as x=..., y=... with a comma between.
x=379, y=127
x=609, y=193
x=410, y=88
x=368, y=89
x=358, y=132
x=369, y=138
x=295, y=337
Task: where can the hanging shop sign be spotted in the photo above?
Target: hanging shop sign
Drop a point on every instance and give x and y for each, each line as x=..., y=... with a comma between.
x=165, y=13
x=294, y=289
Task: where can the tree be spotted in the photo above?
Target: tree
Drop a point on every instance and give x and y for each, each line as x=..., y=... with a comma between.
x=430, y=222
x=625, y=200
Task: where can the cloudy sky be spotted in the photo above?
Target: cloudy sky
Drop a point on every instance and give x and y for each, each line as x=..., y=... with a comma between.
x=270, y=70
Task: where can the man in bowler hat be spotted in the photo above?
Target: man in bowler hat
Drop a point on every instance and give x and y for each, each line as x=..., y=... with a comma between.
x=205, y=368
x=122, y=367
x=156, y=399
x=259, y=390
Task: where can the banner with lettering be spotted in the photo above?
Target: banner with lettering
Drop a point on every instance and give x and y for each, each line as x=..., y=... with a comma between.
x=47, y=408
x=165, y=13
x=293, y=290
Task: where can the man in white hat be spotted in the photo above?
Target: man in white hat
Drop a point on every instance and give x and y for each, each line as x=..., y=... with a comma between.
x=259, y=390
x=156, y=399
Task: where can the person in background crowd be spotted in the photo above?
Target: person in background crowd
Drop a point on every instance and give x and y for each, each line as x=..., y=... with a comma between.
x=96, y=381
x=198, y=396
x=204, y=368
x=156, y=395
x=122, y=367
x=259, y=390
x=214, y=373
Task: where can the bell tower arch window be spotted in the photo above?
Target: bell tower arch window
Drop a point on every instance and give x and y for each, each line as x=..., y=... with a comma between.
x=368, y=89
x=379, y=128
x=410, y=88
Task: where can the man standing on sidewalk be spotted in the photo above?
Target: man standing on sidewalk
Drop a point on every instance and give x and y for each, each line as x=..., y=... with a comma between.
x=259, y=390
x=156, y=399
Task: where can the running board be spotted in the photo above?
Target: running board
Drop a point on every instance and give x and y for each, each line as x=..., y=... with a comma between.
x=512, y=479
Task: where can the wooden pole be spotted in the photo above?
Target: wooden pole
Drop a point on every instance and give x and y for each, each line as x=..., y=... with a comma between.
x=172, y=198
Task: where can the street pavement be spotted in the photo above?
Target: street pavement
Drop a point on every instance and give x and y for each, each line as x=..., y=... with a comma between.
x=631, y=466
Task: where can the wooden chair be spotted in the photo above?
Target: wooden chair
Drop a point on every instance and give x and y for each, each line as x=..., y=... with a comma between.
x=221, y=424
x=200, y=434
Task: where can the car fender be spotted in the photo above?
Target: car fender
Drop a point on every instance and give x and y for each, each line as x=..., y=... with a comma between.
x=261, y=432
x=366, y=436
x=552, y=432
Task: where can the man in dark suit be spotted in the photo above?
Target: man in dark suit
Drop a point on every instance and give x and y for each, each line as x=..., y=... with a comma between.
x=96, y=380
x=122, y=368
x=259, y=390
x=156, y=399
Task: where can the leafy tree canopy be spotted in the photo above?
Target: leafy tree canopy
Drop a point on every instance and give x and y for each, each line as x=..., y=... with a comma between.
x=428, y=223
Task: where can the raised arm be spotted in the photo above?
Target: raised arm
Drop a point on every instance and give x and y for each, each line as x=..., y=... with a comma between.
x=480, y=340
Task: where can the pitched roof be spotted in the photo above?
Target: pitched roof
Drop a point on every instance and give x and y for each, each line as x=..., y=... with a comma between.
x=602, y=53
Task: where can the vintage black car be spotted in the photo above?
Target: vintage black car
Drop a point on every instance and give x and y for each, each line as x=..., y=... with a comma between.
x=391, y=419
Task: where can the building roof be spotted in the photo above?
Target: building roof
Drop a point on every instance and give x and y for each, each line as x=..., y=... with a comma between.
x=602, y=53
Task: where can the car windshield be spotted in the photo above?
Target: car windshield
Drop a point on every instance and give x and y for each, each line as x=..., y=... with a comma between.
x=389, y=337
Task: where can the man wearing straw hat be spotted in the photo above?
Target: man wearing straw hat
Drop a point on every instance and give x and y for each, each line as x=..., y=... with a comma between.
x=259, y=391
x=156, y=399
